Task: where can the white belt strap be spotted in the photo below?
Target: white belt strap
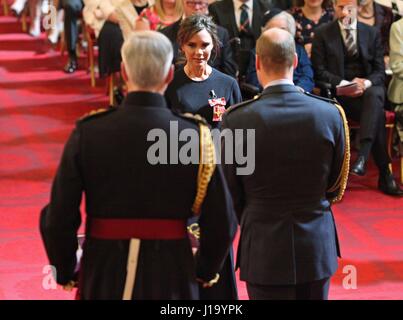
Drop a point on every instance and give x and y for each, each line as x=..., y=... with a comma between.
x=131, y=268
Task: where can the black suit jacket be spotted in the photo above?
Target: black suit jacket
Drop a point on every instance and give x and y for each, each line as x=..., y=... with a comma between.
x=328, y=53
x=223, y=13
x=106, y=157
x=288, y=235
x=223, y=60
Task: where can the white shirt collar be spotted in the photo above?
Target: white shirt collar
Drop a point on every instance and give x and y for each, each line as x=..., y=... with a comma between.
x=353, y=26
x=278, y=82
x=238, y=4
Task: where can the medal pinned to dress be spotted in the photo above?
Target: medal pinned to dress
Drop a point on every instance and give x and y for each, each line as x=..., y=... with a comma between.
x=218, y=105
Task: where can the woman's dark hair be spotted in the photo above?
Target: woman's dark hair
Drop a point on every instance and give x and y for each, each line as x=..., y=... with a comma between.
x=194, y=24
x=325, y=4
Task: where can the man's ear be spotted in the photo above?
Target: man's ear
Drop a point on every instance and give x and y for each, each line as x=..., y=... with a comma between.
x=170, y=75
x=257, y=63
x=295, y=64
x=123, y=72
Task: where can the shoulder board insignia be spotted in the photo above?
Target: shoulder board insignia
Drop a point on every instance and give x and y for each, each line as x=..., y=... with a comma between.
x=332, y=101
x=190, y=116
x=93, y=113
x=244, y=103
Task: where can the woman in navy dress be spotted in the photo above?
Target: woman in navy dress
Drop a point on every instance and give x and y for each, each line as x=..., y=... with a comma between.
x=197, y=87
x=200, y=89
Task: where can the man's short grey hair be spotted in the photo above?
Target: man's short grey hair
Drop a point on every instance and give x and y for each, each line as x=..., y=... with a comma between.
x=276, y=50
x=289, y=19
x=147, y=56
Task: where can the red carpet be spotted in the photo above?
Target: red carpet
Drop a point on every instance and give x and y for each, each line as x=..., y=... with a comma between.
x=38, y=108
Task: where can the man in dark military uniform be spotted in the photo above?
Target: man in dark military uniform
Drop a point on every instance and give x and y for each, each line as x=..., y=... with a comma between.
x=288, y=244
x=138, y=198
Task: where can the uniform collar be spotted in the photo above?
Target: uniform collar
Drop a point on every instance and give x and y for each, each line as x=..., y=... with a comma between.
x=279, y=81
x=280, y=88
x=144, y=99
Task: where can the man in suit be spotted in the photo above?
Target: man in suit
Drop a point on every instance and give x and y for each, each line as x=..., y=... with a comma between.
x=137, y=203
x=243, y=21
x=346, y=51
x=224, y=61
x=288, y=244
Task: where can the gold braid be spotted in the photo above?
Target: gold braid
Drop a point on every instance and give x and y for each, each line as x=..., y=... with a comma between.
x=341, y=182
x=206, y=166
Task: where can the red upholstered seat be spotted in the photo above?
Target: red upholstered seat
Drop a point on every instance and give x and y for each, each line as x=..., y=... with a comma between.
x=390, y=117
x=389, y=120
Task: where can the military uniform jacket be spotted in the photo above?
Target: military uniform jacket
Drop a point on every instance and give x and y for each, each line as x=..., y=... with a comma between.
x=288, y=234
x=106, y=159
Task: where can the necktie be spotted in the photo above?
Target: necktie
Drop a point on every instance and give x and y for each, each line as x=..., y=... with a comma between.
x=244, y=20
x=351, y=46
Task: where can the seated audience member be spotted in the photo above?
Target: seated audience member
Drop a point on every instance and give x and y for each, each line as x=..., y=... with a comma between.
x=223, y=60
x=72, y=11
x=162, y=14
x=35, y=13
x=243, y=21
x=309, y=15
x=379, y=16
x=106, y=19
x=395, y=92
x=345, y=51
x=303, y=74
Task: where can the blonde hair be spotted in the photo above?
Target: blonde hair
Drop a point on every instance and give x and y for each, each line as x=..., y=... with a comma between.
x=159, y=9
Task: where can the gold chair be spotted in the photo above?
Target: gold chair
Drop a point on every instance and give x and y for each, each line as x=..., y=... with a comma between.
x=89, y=35
x=5, y=7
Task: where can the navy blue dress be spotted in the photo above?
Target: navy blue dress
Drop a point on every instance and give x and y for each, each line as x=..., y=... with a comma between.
x=186, y=95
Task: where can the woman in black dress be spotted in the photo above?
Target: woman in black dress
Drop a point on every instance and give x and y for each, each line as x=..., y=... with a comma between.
x=198, y=88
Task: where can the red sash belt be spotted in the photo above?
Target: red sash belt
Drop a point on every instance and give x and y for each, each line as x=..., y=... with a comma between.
x=147, y=229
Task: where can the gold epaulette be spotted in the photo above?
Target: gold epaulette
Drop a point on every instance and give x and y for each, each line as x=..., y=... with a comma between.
x=341, y=182
x=195, y=117
x=332, y=101
x=95, y=112
x=243, y=103
x=207, y=164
